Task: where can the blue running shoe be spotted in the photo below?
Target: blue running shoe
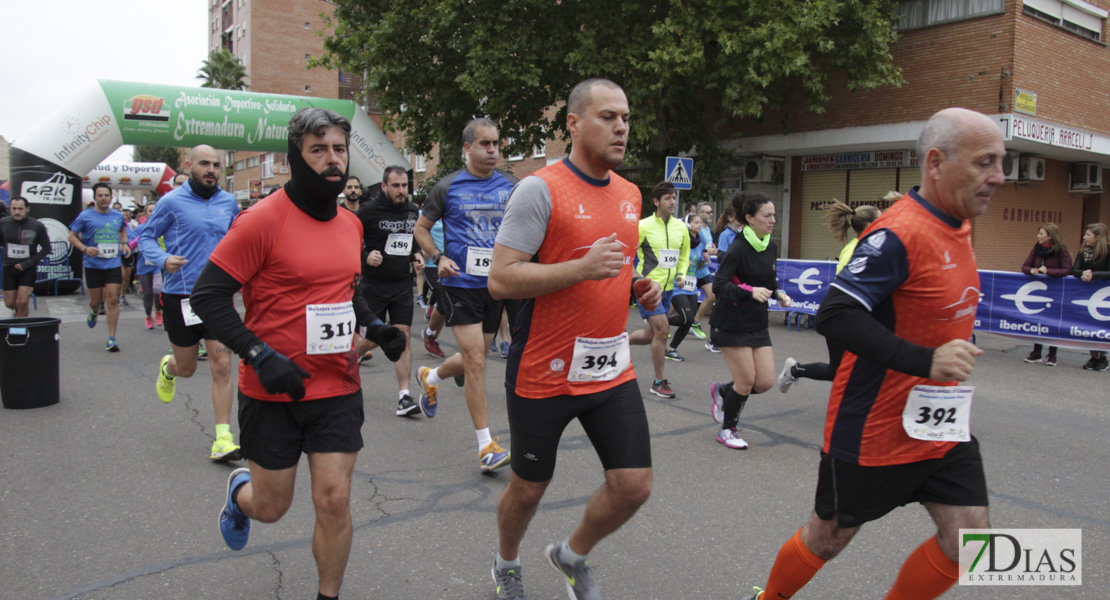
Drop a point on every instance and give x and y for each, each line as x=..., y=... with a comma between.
x=91, y=319
x=111, y=345
x=234, y=525
x=493, y=456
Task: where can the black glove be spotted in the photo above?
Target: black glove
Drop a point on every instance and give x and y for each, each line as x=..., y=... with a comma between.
x=390, y=339
x=278, y=374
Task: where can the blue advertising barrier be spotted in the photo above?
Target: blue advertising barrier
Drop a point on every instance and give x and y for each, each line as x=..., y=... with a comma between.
x=1063, y=311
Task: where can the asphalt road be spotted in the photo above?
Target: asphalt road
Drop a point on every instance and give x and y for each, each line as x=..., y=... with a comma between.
x=110, y=494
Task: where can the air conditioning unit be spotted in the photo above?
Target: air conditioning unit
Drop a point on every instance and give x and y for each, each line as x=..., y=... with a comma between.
x=1031, y=168
x=1086, y=177
x=1011, y=162
x=761, y=169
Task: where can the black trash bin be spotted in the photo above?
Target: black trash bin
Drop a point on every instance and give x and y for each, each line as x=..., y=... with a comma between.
x=29, y=362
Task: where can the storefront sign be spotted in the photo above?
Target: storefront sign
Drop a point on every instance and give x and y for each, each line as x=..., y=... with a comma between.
x=1020, y=127
x=878, y=159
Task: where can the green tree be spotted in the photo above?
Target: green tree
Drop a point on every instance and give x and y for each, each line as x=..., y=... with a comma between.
x=691, y=68
x=222, y=70
x=158, y=154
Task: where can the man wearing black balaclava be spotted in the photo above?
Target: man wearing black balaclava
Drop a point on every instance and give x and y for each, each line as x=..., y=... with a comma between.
x=295, y=257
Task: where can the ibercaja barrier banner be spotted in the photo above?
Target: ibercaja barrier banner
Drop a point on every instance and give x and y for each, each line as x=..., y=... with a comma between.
x=1065, y=311
x=48, y=166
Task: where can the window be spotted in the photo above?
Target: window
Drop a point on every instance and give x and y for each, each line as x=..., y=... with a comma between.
x=230, y=183
x=508, y=144
x=307, y=57
x=240, y=165
x=924, y=13
x=307, y=89
x=252, y=162
x=421, y=164
x=267, y=165
x=1076, y=16
x=307, y=25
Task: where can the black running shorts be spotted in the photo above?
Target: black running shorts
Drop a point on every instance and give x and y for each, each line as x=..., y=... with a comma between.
x=467, y=306
x=14, y=279
x=174, y=321
x=614, y=420
x=856, y=495
x=98, y=278
x=273, y=434
x=391, y=301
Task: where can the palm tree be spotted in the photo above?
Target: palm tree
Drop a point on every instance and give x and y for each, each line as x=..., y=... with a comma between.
x=222, y=70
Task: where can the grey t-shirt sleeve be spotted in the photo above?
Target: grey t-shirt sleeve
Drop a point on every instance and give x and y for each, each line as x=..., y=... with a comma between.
x=526, y=215
x=437, y=198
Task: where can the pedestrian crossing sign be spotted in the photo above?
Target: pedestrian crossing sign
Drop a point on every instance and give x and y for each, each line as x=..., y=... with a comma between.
x=680, y=172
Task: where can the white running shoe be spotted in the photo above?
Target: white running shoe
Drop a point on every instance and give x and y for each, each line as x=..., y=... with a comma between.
x=786, y=378
x=731, y=439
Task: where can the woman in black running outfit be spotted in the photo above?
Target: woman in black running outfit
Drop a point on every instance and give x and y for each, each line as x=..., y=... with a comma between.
x=744, y=283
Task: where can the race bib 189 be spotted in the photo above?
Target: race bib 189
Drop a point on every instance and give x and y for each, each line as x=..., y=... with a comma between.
x=478, y=261
x=331, y=327
x=939, y=413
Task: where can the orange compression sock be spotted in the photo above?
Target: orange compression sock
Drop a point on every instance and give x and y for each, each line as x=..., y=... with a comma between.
x=794, y=567
x=926, y=574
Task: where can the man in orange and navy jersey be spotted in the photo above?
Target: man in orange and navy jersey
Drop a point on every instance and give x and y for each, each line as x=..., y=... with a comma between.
x=898, y=427
x=566, y=248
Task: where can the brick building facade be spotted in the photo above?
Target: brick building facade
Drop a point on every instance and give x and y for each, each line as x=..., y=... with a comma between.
x=1040, y=68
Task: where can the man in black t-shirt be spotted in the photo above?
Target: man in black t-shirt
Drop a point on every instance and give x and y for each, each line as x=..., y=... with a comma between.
x=388, y=257
x=25, y=244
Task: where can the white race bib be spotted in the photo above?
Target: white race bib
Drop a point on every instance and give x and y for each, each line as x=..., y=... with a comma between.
x=108, y=250
x=398, y=244
x=939, y=413
x=668, y=259
x=19, y=251
x=691, y=283
x=478, y=261
x=331, y=327
x=187, y=313
x=599, y=359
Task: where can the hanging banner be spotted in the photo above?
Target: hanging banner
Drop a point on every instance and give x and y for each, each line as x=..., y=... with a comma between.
x=149, y=177
x=49, y=165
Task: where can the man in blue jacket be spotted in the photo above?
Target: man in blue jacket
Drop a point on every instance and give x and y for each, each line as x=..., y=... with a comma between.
x=192, y=219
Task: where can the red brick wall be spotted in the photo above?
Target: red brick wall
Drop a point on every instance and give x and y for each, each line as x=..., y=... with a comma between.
x=1006, y=233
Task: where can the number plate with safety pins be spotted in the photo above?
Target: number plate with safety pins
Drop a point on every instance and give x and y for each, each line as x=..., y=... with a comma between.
x=331, y=327
x=939, y=413
x=599, y=359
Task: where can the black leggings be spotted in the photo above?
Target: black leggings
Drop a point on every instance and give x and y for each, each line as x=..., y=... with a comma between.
x=821, y=371
x=685, y=307
x=147, y=283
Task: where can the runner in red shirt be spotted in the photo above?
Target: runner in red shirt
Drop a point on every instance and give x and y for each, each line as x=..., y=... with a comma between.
x=296, y=259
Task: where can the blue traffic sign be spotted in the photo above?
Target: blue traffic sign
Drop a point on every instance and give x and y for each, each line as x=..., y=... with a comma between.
x=680, y=172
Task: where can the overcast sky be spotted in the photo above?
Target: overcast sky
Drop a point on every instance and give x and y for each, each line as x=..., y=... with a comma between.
x=52, y=46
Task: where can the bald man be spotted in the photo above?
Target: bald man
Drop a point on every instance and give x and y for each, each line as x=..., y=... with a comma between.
x=192, y=219
x=903, y=310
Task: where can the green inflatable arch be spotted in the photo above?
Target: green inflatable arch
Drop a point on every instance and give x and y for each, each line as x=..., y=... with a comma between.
x=47, y=166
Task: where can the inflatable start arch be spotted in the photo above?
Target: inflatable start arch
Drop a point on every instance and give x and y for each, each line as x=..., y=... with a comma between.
x=47, y=167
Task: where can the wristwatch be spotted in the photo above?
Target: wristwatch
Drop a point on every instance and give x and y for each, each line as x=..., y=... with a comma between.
x=436, y=258
x=254, y=352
